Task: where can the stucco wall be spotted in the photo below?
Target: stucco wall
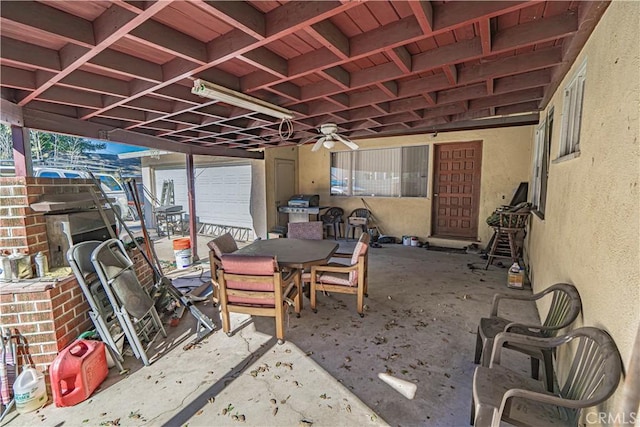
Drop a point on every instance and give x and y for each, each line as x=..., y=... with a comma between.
x=506, y=158
x=590, y=232
x=270, y=156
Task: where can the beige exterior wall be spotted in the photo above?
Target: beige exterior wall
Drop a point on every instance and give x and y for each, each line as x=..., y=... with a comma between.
x=270, y=156
x=590, y=234
x=506, y=155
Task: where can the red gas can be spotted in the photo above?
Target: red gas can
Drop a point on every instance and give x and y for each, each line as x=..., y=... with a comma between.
x=77, y=371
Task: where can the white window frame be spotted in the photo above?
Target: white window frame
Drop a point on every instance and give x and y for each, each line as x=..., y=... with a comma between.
x=538, y=158
x=572, y=113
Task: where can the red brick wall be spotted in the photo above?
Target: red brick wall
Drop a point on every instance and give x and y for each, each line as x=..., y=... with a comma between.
x=49, y=315
x=20, y=226
x=143, y=270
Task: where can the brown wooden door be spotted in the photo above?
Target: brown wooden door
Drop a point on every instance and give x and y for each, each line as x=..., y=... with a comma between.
x=456, y=190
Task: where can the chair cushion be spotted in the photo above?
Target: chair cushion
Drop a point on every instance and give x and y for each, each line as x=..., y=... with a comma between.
x=361, y=248
x=338, y=279
x=313, y=230
x=224, y=244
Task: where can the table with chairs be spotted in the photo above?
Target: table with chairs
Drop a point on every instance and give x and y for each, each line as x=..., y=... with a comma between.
x=266, y=277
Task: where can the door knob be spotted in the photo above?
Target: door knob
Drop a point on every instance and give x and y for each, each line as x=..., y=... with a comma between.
x=435, y=194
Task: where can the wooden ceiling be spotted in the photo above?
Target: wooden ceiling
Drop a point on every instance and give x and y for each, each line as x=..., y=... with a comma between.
x=123, y=70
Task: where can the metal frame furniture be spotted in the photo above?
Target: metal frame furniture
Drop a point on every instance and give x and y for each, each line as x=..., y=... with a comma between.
x=101, y=311
x=564, y=308
x=130, y=301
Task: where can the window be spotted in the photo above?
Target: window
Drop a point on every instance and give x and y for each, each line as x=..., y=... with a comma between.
x=541, y=163
x=109, y=182
x=71, y=175
x=572, y=113
x=391, y=172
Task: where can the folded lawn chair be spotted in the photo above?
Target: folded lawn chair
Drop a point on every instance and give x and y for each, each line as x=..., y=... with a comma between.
x=101, y=311
x=132, y=304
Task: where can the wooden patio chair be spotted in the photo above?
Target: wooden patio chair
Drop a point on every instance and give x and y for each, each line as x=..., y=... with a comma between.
x=500, y=394
x=312, y=230
x=254, y=285
x=219, y=246
x=346, y=279
x=564, y=308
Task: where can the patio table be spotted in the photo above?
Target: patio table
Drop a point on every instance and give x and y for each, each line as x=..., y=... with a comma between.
x=293, y=253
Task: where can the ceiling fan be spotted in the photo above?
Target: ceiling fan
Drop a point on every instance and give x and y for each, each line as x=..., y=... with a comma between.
x=329, y=137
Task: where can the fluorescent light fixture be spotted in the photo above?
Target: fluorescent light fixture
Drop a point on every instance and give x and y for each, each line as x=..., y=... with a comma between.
x=228, y=96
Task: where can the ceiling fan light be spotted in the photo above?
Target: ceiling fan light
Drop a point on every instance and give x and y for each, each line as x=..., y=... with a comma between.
x=329, y=143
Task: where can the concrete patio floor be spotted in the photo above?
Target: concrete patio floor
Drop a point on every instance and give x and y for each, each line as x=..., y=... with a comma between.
x=421, y=317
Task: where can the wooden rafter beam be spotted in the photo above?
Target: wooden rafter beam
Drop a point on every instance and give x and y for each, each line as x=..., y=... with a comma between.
x=423, y=11
x=282, y=21
x=485, y=35
x=452, y=74
x=330, y=36
x=589, y=14
x=34, y=119
x=402, y=58
x=240, y=15
x=106, y=29
x=537, y=31
x=166, y=39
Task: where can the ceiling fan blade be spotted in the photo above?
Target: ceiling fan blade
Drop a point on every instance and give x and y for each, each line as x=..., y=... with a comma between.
x=318, y=144
x=347, y=142
x=306, y=140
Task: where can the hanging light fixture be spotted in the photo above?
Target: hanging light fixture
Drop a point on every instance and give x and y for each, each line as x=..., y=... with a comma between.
x=231, y=97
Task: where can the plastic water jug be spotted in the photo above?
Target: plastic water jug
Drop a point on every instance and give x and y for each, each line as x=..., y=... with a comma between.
x=516, y=277
x=30, y=391
x=77, y=371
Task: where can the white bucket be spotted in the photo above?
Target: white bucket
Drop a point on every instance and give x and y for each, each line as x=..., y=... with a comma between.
x=30, y=391
x=406, y=240
x=415, y=241
x=182, y=252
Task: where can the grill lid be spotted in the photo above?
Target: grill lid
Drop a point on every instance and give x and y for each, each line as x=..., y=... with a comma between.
x=304, y=200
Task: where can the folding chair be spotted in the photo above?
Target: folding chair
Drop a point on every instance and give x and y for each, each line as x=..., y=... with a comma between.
x=101, y=311
x=132, y=304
